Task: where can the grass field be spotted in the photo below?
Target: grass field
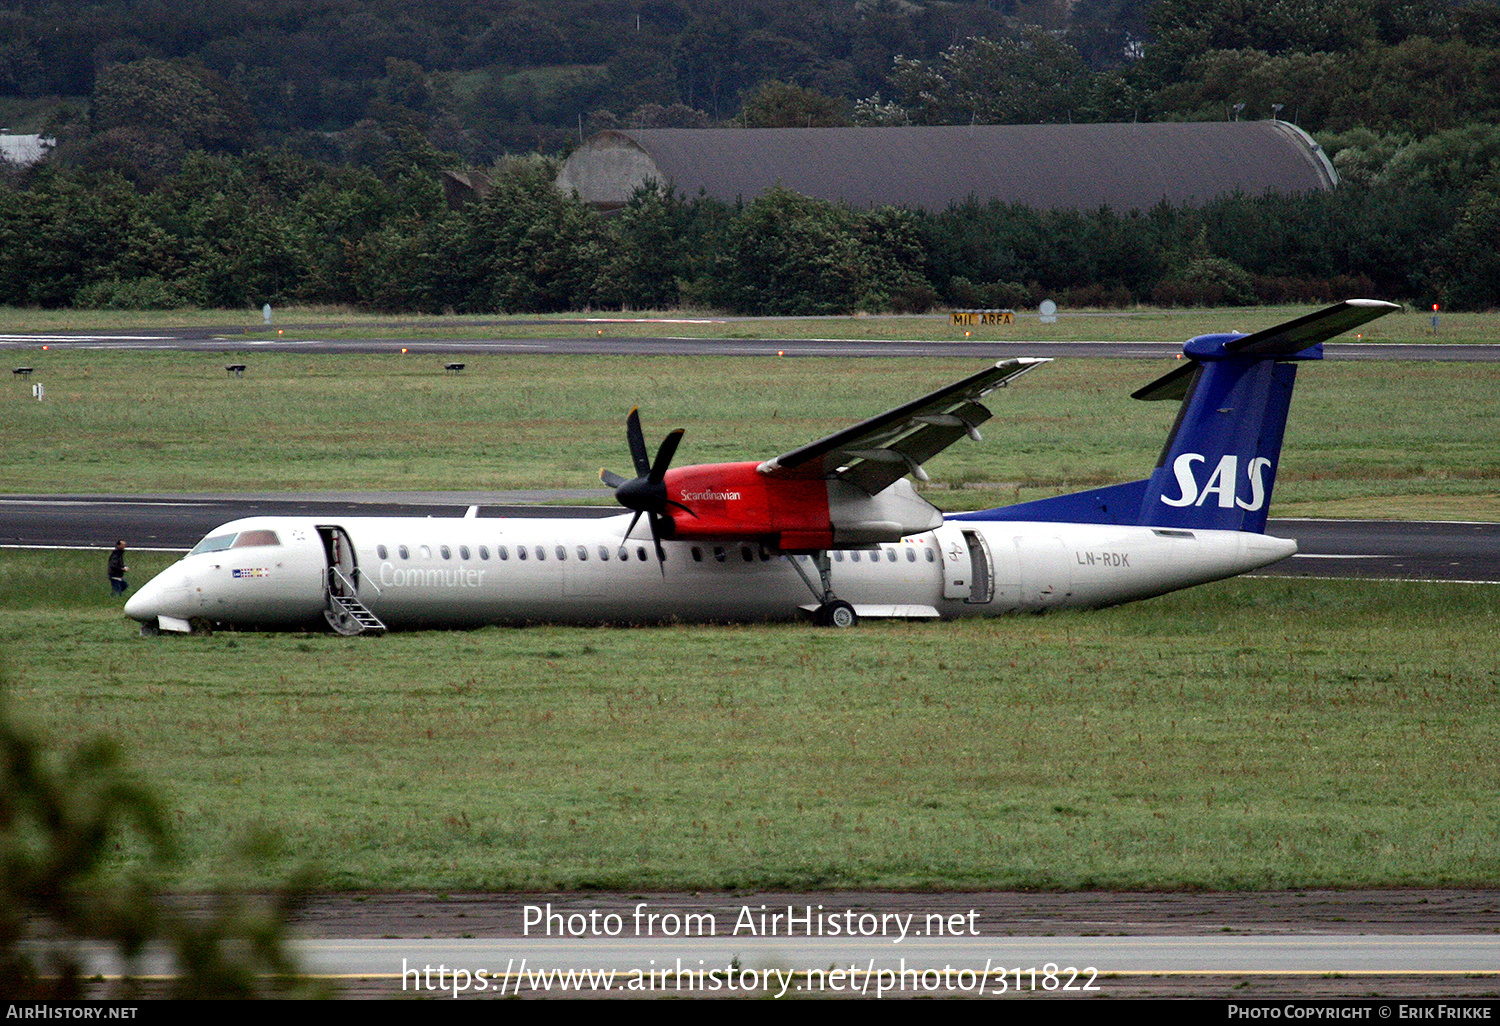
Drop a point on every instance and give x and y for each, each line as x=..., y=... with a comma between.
x=1412, y=440
x=1255, y=733
x=1258, y=733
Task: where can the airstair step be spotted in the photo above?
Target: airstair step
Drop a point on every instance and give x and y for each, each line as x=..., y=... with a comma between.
x=349, y=616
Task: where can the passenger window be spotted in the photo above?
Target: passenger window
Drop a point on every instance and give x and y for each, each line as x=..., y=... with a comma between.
x=719, y=553
x=604, y=553
x=890, y=555
x=463, y=552
x=562, y=553
x=911, y=554
x=930, y=557
x=425, y=551
x=520, y=552
x=838, y=556
x=746, y=554
x=624, y=554
x=446, y=551
x=382, y=552
x=640, y=553
x=697, y=554
x=502, y=552
x=541, y=552
x=484, y=552
x=583, y=552
x=404, y=552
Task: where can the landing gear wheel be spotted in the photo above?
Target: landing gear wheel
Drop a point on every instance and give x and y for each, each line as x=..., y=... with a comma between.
x=837, y=614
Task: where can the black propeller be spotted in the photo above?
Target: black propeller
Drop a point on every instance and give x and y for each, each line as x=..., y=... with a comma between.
x=646, y=493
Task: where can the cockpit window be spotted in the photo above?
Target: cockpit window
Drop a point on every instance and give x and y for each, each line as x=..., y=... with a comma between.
x=213, y=543
x=242, y=540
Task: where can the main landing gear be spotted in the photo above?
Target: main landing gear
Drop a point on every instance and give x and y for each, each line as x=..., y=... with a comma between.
x=837, y=613
x=834, y=611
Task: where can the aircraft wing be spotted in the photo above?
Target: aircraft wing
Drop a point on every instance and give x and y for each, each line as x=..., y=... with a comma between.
x=876, y=453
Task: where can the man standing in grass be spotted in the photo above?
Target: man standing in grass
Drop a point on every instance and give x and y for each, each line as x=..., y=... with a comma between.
x=117, y=568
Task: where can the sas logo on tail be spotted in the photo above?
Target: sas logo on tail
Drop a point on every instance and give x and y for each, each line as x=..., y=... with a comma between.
x=1223, y=482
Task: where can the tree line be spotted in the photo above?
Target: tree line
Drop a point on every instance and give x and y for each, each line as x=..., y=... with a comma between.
x=484, y=77
x=272, y=226
x=235, y=153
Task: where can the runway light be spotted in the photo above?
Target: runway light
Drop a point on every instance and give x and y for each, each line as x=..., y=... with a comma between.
x=280, y=332
x=46, y=347
x=403, y=349
x=781, y=352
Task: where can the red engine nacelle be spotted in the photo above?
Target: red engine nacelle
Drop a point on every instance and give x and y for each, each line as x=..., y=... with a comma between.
x=735, y=500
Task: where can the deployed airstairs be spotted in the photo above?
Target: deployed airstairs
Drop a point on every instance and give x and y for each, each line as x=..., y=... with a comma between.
x=346, y=614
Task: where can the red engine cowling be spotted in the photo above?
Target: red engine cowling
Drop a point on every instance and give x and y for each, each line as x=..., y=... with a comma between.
x=735, y=500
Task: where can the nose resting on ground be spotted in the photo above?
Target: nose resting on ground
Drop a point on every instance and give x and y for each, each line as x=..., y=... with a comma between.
x=158, y=596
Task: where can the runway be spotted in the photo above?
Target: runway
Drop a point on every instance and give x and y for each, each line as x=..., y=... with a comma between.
x=1368, y=549
x=806, y=967
x=575, y=343
x=1351, y=944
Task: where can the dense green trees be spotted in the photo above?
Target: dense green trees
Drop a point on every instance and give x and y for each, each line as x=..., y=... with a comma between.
x=487, y=76
x=236, y=231
x=235, y=153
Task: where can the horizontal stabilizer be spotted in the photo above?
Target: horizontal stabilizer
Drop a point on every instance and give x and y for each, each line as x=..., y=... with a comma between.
x=1320, y=326
x=1172, y=385
x=1282, y=340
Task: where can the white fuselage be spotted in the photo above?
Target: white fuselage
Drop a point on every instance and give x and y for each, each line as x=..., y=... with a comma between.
x=468, y=572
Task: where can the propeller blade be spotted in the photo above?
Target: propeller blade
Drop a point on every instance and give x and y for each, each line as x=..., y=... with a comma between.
x=633, y=521
x=661, y=553
x=637, y=442
x=612, y=479
x=665, y=453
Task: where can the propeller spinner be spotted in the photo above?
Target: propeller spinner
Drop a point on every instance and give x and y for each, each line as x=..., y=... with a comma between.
x=646, y=493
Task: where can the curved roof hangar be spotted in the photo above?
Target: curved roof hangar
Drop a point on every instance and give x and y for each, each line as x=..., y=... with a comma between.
x=1122, y=166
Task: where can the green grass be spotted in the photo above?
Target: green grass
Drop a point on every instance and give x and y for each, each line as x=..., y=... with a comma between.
x=1246, y=734
x=1251, y=734
x=1365, y=439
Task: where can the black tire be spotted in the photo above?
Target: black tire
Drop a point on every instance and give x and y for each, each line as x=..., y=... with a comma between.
x=837, y=614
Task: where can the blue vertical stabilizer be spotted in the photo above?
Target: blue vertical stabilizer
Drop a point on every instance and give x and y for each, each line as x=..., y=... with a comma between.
x=1219, y=464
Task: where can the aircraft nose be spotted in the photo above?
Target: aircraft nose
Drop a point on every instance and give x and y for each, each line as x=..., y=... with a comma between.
x=155, y=597
x=145, y=604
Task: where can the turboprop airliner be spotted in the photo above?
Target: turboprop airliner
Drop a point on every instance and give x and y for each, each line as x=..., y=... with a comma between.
x=832, y=531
